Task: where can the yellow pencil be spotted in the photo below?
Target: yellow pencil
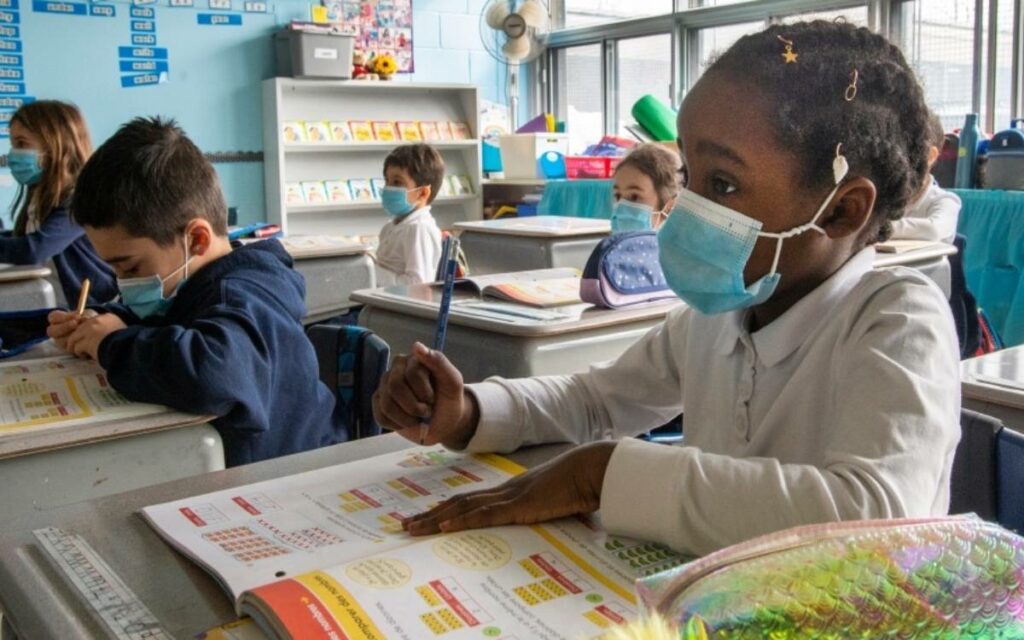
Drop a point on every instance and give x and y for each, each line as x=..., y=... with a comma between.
x=83, y=296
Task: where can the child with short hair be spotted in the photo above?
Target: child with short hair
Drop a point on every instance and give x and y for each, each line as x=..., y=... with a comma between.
x=814, y=387
x=934, y=213
x=49, y=146
x=410, y=243
x=203, y=327
x=646, y=183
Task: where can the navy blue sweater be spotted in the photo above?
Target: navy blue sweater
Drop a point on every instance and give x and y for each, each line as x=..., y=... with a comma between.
x=231, y=345
x=73, y=256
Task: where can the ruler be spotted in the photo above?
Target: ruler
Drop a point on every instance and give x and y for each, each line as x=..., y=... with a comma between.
x=109, y=599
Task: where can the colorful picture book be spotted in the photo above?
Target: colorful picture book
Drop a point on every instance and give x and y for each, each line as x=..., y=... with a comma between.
x=323, y=554
x=360, y=190
x=357, y=131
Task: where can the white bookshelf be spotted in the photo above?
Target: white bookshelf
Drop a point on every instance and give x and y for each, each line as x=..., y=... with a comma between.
x=288, y=99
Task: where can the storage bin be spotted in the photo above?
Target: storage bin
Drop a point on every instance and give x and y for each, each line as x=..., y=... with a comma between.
x=590, y=167
x=520, y=153
x=302, y=54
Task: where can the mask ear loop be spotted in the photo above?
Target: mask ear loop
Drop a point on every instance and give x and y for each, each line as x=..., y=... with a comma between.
x=840, y=167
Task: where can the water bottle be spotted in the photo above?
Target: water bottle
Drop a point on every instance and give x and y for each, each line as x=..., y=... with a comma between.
x=967, y=155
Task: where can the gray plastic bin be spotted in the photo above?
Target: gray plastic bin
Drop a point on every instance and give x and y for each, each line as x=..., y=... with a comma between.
x=313, y=55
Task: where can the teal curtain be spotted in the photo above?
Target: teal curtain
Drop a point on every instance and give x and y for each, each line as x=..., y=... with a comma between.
x=577, y=198
x=993, y=223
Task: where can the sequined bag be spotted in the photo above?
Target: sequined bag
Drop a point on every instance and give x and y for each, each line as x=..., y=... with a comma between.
x=953, y=577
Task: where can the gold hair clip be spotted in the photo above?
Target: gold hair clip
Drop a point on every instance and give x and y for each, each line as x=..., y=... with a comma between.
x=789, y=55
x=851, y=91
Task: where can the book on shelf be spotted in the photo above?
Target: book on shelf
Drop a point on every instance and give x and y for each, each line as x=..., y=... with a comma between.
x=444, y=129
x=341, y=132
x=293, y=131
x=337, y=191
x=537, y=288
x=384, y=131
x=460, y=185
x=361, y=190
x=362, y=131
x=429, y=131
x=445, y=190
x=460, y=131
x=318, y=132
x=377, y=184
x=323, y=554
x=409, y=131
x=314, y=192
x=293, y=193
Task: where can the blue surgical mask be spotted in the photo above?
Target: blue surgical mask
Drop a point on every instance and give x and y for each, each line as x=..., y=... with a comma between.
x=704, y=247
x=24, y=166
x=145, y=295
x=631, y=216
x=395, y=201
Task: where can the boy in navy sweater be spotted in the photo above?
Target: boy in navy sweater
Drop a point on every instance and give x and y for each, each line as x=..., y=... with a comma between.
x=203, y=327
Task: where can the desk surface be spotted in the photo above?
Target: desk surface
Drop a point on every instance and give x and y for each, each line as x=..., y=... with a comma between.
x=36, y=440
x=935, y=251
x=13, y=272
x=539, y=226
x=181, y=595
x=423, y=300
x=997, y=377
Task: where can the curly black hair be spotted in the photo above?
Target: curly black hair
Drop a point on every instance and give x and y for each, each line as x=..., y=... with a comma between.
x=885, y=129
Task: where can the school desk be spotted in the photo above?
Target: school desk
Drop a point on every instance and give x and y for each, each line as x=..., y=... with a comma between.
x=44, y=468
x=332, y=271
x=38, y=603
x=535, y=242
x=25, y=287
x=993, y=384
x=932, y=261
x=483, y=344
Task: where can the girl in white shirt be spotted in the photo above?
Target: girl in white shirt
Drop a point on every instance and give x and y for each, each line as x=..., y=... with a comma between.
x=934, y=213
x=814, y=388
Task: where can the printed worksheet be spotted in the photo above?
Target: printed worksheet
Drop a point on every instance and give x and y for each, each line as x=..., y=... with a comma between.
x=61, y=391
x=256, y=534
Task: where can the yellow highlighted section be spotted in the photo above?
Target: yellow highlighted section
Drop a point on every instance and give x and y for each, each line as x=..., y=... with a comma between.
x=587, y=568
x=349, y=615
x=500, y=463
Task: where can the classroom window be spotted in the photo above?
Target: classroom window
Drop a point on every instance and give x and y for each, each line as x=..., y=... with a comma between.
x=581, y=13
x=715, y=40
x=853, y=15
x=937, y=37
x=644, y=67
x=1004, y=64
x=583, y=95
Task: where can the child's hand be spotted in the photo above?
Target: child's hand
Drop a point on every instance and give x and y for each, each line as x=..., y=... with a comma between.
x=426, y=386
x=568, y=485
x=86, y=339
x=64, y=323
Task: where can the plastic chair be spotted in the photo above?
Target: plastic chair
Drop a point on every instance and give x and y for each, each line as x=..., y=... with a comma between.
x=988, y=471
x=352, y=361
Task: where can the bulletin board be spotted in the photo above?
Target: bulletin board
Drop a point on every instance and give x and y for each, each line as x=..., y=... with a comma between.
x=379, y=26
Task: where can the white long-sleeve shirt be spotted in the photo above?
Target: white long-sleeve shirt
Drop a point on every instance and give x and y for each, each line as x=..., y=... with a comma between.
x=933, y=217
x=845, y=407
x=409, y=251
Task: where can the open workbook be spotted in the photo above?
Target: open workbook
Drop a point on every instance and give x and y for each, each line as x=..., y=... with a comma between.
x=60, y=391
x=322, y=555
x=537, y=288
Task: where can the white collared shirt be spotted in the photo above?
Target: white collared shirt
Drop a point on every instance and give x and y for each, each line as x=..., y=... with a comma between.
x=409, y=251
x=933, y=217
x=845, y=407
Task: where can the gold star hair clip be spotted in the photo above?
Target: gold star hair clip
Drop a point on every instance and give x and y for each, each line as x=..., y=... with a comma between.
x=789, y=55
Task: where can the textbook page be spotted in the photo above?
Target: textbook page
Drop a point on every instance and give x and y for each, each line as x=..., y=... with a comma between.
x=256, y=534
x=558, y=580
x=61, y=391
x=539, y=287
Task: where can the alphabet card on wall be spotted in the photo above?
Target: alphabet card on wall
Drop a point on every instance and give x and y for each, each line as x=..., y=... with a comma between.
x=380, y=26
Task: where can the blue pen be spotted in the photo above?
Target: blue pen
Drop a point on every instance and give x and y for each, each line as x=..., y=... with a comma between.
x=443, y=312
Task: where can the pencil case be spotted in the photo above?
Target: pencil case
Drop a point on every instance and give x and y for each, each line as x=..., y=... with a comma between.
x=20, y=330
x=624, y=270
x=950, y=577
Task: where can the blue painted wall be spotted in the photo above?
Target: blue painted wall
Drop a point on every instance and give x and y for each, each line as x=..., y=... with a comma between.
x=215, y=74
